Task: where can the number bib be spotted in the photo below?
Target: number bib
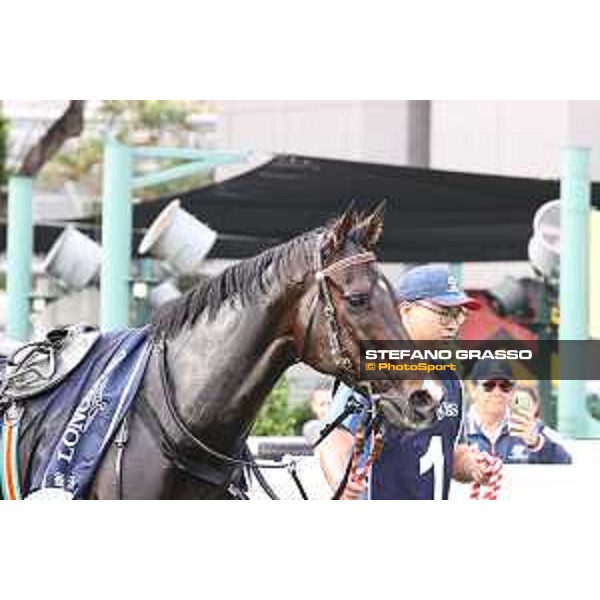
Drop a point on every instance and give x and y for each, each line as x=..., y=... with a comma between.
x=418, y=465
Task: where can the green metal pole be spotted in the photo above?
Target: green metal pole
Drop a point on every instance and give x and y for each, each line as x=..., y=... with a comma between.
x=173, y=173
x=190, y=154
x=19, y=256
x=574, y=249
x=116, y=236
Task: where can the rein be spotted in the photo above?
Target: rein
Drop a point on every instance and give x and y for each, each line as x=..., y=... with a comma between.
x=188, y=434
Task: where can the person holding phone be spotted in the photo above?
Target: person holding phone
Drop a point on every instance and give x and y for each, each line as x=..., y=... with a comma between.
x=502, y=419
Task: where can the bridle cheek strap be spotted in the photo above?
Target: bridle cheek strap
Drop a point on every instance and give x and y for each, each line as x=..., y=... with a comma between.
x=342, y=362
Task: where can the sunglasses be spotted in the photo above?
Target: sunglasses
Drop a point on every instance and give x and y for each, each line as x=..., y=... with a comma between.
x=503, y=384
x=446, y=315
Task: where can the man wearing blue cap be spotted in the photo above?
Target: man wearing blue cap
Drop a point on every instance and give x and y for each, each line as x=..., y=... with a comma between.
x=415, y=465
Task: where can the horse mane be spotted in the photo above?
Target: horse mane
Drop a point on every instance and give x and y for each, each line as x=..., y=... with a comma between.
x=245, y=282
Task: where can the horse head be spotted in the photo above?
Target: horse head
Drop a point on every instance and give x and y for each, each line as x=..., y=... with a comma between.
x=348, y=300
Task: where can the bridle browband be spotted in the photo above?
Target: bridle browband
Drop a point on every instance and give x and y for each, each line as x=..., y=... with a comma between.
x=342, y=362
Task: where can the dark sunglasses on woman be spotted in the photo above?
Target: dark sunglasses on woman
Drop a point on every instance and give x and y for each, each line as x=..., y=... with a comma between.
x=503, y=384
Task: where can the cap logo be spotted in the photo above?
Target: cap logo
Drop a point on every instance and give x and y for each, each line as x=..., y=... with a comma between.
x=452, y=284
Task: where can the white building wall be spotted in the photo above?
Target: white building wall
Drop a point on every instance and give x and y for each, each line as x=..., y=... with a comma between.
x=513, y=138
x=508, y=137
x=368, y=131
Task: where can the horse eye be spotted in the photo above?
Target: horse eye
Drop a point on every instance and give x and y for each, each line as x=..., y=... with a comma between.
x=358, y=299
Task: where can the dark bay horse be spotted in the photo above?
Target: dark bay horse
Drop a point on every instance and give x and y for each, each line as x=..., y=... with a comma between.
x=221, y=348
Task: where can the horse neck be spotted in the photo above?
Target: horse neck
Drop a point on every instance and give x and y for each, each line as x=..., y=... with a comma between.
x=223, y=369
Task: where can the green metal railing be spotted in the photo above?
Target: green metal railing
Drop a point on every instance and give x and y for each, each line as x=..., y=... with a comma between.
x=119, y=182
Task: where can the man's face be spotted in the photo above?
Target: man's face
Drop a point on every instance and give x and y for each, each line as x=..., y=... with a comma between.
x=494, y=394
x=426, y=320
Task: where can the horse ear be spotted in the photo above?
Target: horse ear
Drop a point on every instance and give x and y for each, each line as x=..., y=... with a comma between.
x=337, y=233
x=370, y=229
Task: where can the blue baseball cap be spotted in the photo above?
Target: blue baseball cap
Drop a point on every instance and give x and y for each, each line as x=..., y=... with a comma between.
x=434, y=283
x=487, y=369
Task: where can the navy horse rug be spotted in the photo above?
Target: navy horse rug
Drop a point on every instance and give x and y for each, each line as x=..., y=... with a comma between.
x=53, y=439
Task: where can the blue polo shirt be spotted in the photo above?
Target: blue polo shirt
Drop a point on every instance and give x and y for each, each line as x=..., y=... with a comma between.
x=414, y=465
x=511, y=449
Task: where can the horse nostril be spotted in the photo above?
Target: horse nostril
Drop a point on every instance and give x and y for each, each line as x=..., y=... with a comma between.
x=424, y=405
x=421, y=398
x=410, y=412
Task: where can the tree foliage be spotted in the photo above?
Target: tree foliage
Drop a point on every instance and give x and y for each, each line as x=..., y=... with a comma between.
x=149, y=119
x=139, y=122
x=277, y=418
x=69, y=125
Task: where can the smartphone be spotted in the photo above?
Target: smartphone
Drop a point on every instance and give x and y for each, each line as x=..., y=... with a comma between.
x=522, y=402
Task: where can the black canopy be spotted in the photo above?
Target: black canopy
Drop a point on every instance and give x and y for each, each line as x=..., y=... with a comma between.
x=431, y=215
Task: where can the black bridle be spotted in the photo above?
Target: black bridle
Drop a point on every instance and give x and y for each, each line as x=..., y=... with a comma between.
x=342, y=362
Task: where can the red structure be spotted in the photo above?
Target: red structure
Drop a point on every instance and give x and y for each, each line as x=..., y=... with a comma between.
x=486, y=324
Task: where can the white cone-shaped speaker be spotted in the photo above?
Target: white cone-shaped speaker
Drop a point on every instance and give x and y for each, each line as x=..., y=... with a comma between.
x=509, y=296
x=74, y=259
x=544, y=246
x=178, y=238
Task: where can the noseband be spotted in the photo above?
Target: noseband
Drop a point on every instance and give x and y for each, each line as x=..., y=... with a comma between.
x=341, y=360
